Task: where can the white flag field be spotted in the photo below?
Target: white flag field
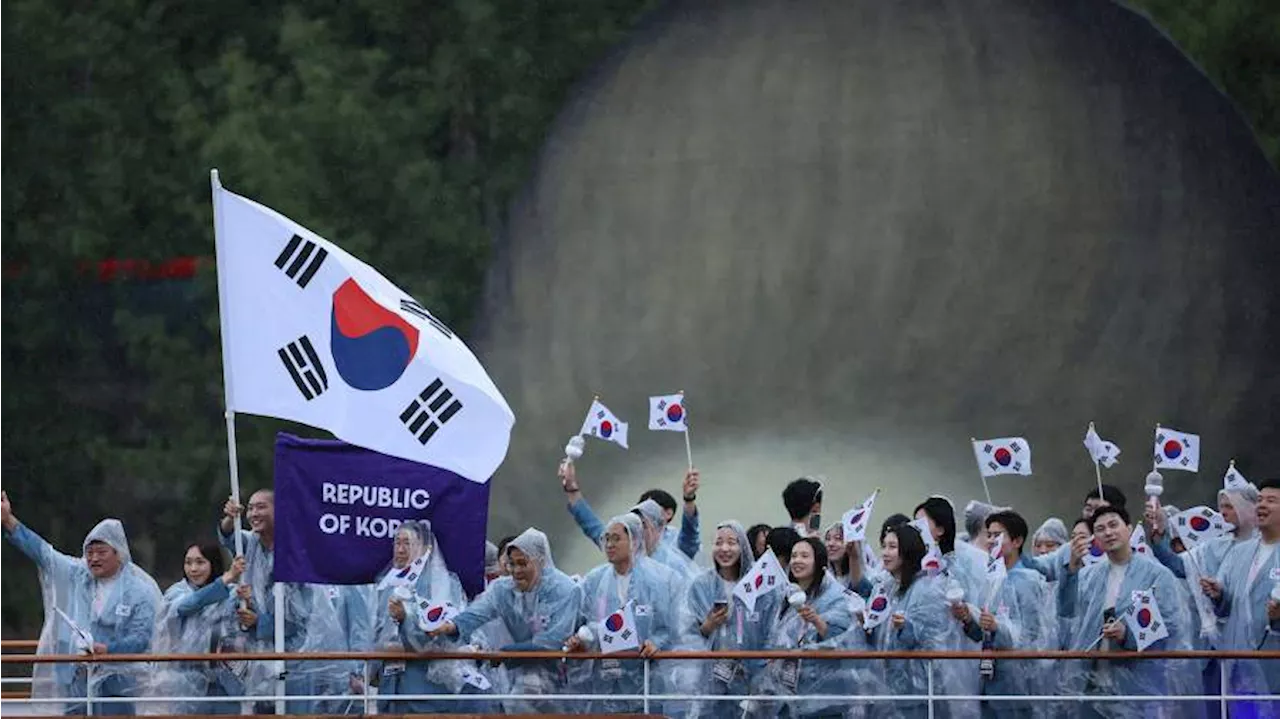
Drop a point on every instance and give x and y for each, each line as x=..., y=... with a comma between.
x=765, y=576
x=1233, y=480
x=666, y=413
x=1100, y=450
x=1144, y=619
x=1177, y=450
x=1003, y=455
x=854, y=522
x=618, y=631
x=602, y=423
x=314, y=335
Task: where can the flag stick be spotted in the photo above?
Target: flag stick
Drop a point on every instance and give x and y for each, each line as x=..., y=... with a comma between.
x=215, y=187
x=985, y=488
x=688, y=450
x=1097, y=472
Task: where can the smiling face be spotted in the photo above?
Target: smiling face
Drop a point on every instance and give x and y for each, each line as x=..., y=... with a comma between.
x=196, y=568
x=1091, y=505
x=262, y=511
x=102, y=559
x=889, y=554
x=524, y=571
x=802, y=561
x=728, y=552
x=834, y=540
x=617, y=544
x=1112, y=532
x=1044, y=546
x=1269, y=509
x=402, y=548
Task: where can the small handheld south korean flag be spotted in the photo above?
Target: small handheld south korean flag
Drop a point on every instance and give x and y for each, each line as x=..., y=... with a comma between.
x=877, y=607
x=765, y=576
x=1003, y=455
x=1177, y=450
x=1100, y=450
x=996, y=571
x=922, y=526
x=1198, y=525
x=433, y=614
x=406, y=576
x=666, y=413
x=601, y=423
x=618, y=631
x=1095, y=554
x=855, y=520
x=1144, y=619
x=1233, y=480
x=1138, y=541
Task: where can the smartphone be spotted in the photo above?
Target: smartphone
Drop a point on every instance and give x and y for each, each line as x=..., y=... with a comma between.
x=1108, y=615
x=720, y=604
x=815, y=522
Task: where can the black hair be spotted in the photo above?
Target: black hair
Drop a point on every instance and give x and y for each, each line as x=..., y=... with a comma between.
x=1110, y=509
x=502, y=545
x=799, y=497
x=1014, y=525
x=891, y=522
x=1082, y=520
x=663, y=498
x=1268, y=484
x=781, y=540
x=755, y=531
x=943, y=516
x=1111, y=495
x=211, y=552
x=911, y=551
x=843, y=566
x=819, y=571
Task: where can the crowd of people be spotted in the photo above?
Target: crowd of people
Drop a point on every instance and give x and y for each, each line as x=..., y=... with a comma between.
x=928, y=587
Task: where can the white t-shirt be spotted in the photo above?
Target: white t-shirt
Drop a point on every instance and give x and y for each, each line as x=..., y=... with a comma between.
x=1115, y=577
x=1260, y=559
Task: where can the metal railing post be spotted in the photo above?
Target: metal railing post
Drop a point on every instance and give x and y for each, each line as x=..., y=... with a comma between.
x=1222, y=688
x=646, y=686
x=929, y=676
x=88, y=689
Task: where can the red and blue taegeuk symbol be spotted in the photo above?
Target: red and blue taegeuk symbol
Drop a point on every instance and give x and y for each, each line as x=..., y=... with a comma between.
x=614, y=622
x=434, y=613
x=371, y=345
x=1199, y=523
x=1172, y=449
x=1003, y=457
x=857, y=517
x=1144, y=617
x=675, y=413
x=1095, y=549
x=606, y=429
x=879, y=603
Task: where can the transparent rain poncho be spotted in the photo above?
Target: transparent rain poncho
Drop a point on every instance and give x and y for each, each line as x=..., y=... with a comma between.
x=665, y=553
x=927, y=626
x=966, y=566
x=124, y=619
x=1054, y=530
x=1247, y=583
x=540, y=619
x=743, y=629
x=799, y=677
x=1081, y=595
x=198, y=620
x=424, y=577
x=652, y=590
x=311, y=624
x=1024, y=622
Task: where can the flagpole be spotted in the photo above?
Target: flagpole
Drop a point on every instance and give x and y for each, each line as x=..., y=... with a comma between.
x=215, y=186
x=985, y=488
x=688, y=450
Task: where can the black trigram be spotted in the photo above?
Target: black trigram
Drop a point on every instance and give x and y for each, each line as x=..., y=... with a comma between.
x=433, y=406
x=303, y=364
x=421, y=313
x=301, y=259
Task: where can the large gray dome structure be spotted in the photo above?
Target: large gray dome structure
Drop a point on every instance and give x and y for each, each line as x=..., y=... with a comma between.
x=858, y=233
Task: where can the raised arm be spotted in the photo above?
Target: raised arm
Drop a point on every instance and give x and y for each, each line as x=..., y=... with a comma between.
x=690, y=540
x=33, y=545
x=582, y=513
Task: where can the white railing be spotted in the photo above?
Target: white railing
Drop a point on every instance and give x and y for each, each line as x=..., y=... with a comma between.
x=647, y=697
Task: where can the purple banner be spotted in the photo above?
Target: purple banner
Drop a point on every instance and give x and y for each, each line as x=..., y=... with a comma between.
x=338, y=507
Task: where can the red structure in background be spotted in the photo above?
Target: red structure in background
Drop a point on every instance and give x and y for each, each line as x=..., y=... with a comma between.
x=128, y=270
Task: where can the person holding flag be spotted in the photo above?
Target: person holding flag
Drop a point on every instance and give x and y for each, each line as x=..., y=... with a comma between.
x=651, y=517
x=918, y=619
x=1014, y=617
x=1246, y=593
x=627, y=579
x=812, y=615
x=802, y=499
x=689, y=537
x=97, y=603
x=1097, y=598
x=717, y=619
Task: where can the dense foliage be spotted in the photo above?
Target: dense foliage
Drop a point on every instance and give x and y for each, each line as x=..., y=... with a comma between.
x=398, y=130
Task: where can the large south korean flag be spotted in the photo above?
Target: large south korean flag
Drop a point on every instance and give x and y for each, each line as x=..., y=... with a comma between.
x=314, y=335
